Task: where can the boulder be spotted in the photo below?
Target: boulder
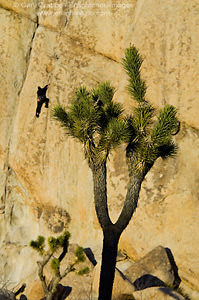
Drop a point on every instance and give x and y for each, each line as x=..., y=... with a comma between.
x=6, y=295
x=34, y=290
x=23, y=297
x=126, y=297
x=157, y=268
x=158, y=293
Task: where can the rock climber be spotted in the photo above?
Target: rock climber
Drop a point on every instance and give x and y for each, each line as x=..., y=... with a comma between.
x=41, y=99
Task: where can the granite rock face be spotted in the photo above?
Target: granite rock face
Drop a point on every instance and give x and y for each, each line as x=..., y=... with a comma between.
x=46, y=185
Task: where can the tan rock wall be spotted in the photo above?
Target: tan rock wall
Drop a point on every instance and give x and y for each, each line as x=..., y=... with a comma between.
x=45, y=183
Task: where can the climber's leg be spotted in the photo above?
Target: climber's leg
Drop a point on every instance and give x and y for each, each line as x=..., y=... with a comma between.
x=46, y=102
x=38, y=109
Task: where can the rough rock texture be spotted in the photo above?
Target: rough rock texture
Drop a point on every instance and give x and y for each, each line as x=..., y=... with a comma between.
x=46, y=185
x=158, y=293
x=34, y=291
x=6, y=295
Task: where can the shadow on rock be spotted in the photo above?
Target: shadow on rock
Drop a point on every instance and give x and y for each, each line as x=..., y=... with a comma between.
x=147, y=281
x=174, y=267
x=62, y=292
x=23, y=297
x=171, y=293
x=89, y=253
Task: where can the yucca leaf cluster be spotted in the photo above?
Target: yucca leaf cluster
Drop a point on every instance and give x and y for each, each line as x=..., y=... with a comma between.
x=54, y=259
x=60, y=241
x=38, y=245
x=151, y=133
x=132, y=65
x=55, y=243
x=152, y=138
x=83, y=271
x=79, y=254
x=95, y=120
x=100, y=123
x=55, y=264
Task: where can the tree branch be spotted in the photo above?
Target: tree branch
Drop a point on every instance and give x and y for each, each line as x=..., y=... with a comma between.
x=130, y=203
x=41, y=265
x=100, y=195
x=136, y=177
x=58, y=277
x=68, y=270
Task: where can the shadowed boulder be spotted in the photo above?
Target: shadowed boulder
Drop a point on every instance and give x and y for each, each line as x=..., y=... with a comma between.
x=6, y=295
x=155, y=269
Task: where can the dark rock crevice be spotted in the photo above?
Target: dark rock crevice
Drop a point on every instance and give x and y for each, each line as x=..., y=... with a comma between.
x=28, y=55
x=7, y=171
x=59, y=31
x=20, y=88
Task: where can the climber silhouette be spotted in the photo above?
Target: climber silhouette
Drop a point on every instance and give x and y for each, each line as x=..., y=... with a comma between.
x=41, y=99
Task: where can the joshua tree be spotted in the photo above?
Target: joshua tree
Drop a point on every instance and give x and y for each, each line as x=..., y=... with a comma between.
x=99, y=123
x=54, y=244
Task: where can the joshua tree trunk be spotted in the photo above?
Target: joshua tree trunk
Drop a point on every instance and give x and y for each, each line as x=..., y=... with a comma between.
x=110, y=240
x=109, y=255
x=112, y=231
x=49, y=296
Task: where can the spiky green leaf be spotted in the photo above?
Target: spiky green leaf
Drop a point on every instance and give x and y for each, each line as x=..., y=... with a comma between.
x=83, y=271
x=84, y=117
x=81, y=93
x=132, y=64
x=53, y=244
x=58, y=113
x=115, y=133
x=167, y=125
x=113, y=110
x=168, y=150
x=104, y=92
x=38, y=244
x=142, y=118
x=55, y=264
x=79, y=253
x=63, y=239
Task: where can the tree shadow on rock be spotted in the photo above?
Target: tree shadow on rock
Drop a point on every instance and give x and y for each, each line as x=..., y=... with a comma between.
x=23, y=297
x=63, y=292
x=147, y=281
x=89, y=253
x=171, y=293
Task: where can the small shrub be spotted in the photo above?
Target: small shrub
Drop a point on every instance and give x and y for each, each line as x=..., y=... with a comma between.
x=48, y=256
